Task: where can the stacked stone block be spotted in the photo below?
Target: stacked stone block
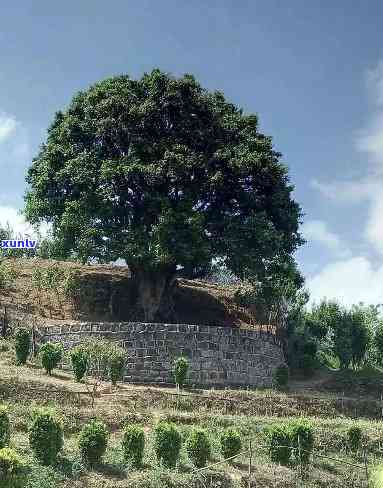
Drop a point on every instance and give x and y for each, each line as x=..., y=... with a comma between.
x=218, y=356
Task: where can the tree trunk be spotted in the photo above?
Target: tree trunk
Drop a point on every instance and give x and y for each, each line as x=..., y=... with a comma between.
x=154, y=290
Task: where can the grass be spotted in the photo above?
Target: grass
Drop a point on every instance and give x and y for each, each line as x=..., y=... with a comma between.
x=249, y=412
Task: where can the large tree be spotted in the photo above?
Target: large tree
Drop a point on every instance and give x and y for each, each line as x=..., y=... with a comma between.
x=162, y=172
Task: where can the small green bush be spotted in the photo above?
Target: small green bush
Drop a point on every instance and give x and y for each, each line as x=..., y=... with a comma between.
x=93, y=441
x=79, y=357
x=181, y=366
x=117, y=364
x=50, y=355
x=198, y=447
x=46, y=436
x=4, y=345
x=302, y=434
x=281, y=376
x=5, y=429
x=167, y=443
x=12, y=469
x=133, y=444
x=279, y=441
x=230, y=443
x=22, y=344
x=7, y=276
x=354, y=437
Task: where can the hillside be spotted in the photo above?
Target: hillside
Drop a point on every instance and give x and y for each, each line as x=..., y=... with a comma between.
x=107, y=293
x=333, y=464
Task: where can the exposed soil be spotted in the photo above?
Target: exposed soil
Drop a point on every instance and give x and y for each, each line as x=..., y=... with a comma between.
x=107, y=293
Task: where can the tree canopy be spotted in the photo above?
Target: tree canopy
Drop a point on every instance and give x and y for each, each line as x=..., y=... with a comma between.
x=163, y=173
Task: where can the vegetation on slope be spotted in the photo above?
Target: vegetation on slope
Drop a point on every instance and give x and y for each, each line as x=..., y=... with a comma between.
x=24, y=388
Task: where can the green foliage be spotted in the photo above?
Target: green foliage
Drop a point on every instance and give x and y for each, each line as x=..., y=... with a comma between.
x=279, y=442
x=71, y=283
x=79, y=357
x=12, y=469
x=167, y=443
x=51, y=248
x=104, y=359
x=378, y=343
x=302, y=435
x=7, y=276
x=198, y=447
x=117, y=360
x=50, y=355
x=348, y=331
x=5, y=428
x=99, y=351
x=49, y=278
x=230, y=443
x=133, y=444
x=93, y=441
x=303, y=350
x=281, y=376
x=22, y=344
x=181, y=150
x=245, y=294
x=181, y=366
x=46, y=436
x=354, y=437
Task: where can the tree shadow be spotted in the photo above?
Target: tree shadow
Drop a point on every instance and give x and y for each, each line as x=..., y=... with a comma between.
x=65, y=466
x=111, y=470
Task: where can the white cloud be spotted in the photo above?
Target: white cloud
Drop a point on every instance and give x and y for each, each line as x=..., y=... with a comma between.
x=349, y=281
x=17, y=222
x=317, y=230
x=370, y=187
x=8, y=125
x=10, y=215
x=370, y=141
x=348, y=191
x=357, y=278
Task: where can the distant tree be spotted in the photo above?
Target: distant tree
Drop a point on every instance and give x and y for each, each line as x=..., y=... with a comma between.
x=361, y=335
x=348, y=332
x=378, y=343
x=163, y=173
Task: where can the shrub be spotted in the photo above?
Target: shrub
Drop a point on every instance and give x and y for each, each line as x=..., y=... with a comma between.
x=51, y=354
x=281, y=376
x=22, y=344
x=79, y=357
x=302, y=436
x=354, y=437
x=46, y=436
x=230, y=442
x=279, y=440
x=93, y=440
x=117, y=364
x=7, y=276
x=198, y=447
x=167, y=444
x=133, y=443
x=4, y=346
x=181, y=366
x=5, y=429
x=12, y=469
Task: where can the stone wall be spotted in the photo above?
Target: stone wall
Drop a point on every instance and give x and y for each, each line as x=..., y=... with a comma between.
x=219, y=356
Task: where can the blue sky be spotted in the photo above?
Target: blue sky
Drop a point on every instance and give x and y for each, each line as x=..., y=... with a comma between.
x=313, y=71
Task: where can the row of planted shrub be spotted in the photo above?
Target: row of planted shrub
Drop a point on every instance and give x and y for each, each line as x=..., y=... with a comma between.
x=284, y=440
x=46, y=441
